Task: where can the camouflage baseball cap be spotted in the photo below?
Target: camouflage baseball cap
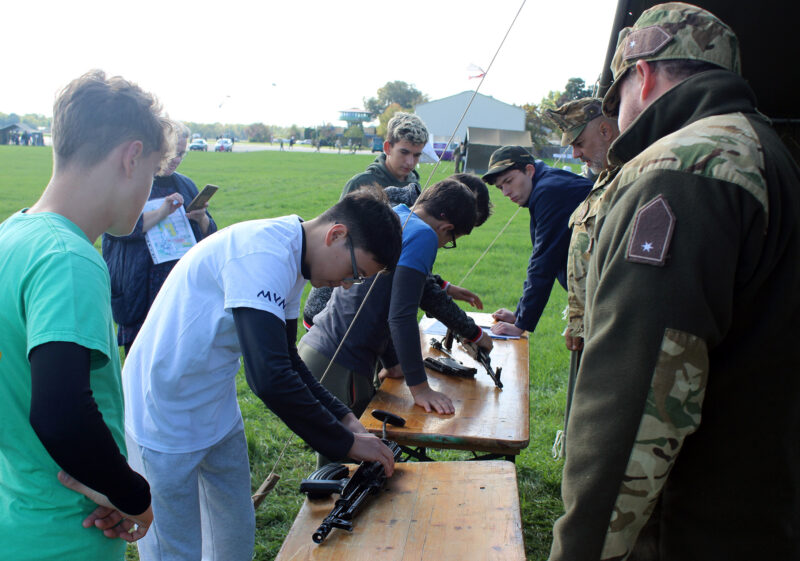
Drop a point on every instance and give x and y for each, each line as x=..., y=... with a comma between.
x=505, y=158
x=668, y=32
x=573, y=116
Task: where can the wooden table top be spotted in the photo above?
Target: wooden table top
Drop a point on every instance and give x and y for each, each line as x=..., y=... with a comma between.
x=440, y=511
x=487, y=419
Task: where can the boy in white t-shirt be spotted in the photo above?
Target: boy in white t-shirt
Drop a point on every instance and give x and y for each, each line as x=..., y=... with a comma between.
x=237, y=296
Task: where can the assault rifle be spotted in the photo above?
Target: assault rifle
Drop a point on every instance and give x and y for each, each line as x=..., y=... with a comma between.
x=476, y=353
x=368, y=479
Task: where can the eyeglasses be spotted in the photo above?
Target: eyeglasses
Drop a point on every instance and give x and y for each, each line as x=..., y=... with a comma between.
x=357, y=278
x=452, y=243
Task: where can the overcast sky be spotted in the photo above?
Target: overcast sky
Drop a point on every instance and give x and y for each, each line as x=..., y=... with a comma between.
x=298, y=61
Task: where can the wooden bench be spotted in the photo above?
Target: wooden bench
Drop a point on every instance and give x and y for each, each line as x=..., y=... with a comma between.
x=491, y=421
x=438, y=511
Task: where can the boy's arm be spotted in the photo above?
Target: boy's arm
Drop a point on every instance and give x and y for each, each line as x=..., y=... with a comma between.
x=436, y=303
x=287, y=392
x=66, y=419
x=407, y=284
x=331, y=402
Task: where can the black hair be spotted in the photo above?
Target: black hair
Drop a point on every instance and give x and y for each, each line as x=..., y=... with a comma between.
x=680, y=69
x=483, y=206
x=450, y=200
x=371, y=224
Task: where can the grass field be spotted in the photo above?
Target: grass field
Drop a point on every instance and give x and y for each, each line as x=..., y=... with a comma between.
x=271, y=183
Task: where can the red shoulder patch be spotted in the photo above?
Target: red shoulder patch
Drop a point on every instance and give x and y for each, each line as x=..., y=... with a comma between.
x=652, y=233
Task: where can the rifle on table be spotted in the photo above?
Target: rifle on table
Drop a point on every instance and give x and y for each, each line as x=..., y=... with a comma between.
x=476, y=353
x=367, y=480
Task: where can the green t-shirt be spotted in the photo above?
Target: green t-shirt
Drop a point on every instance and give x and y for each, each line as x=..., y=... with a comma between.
x=54, y=286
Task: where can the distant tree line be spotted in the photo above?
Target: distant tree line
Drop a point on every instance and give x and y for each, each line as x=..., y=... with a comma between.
x=391, y=97
x=31, y=119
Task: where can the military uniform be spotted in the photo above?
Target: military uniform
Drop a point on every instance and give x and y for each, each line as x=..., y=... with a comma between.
x=572, y=118
x=686, y=402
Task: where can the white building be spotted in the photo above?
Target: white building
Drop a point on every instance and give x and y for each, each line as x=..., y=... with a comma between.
x=486, y=112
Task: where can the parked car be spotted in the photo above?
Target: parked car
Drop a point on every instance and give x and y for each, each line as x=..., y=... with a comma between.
x=199, y=144
x=223, y=145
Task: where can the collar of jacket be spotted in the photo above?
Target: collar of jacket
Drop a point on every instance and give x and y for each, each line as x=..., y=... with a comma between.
x=715, y=92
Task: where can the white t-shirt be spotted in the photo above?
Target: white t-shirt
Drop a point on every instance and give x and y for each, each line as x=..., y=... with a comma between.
x=179, y=379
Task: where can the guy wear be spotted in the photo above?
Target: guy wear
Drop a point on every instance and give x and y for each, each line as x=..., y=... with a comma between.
x=554, y=196
x=135, y=279
x=55, y=290
x=377, y=329
x=686, y=399
x=236, y=295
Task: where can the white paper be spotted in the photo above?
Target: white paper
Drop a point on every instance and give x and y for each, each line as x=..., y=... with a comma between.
x=171, y=238
x=432, y=326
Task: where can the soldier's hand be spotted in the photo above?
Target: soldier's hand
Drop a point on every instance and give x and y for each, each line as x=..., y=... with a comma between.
x=572, y=343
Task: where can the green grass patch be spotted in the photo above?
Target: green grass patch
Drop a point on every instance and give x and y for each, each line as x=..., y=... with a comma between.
x=272, y=183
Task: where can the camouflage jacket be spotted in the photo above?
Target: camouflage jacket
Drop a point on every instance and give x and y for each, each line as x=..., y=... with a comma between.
x=686, y=401
x=581, y=223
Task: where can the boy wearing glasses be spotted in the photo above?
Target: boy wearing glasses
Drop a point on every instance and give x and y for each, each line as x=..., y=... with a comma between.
x=386, y=328
x=237, y=296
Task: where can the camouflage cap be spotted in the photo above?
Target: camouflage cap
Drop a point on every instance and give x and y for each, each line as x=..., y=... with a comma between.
x=672, y=31
x=573, y=116
x=505, y=158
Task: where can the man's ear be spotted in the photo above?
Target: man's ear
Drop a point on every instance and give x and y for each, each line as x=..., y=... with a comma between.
x=530, y=170
x=645, y=72
x=131, y=154
x=443, y=227
x=335, y=232
x=387, y=147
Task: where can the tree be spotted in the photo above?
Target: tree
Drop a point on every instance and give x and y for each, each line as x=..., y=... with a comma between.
x=538, y=125
x=575, y=89
x=399, y=92
x=385, y=117
x=258, y=132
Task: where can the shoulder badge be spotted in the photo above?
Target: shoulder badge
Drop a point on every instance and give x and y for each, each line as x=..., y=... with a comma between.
x=652, y=233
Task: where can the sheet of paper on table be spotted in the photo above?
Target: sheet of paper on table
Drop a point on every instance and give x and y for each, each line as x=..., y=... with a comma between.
x=431, y=326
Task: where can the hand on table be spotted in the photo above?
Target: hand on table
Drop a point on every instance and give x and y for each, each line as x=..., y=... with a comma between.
x=113, y=522
x=430, y=399
x=504, y=315
x=503, y=328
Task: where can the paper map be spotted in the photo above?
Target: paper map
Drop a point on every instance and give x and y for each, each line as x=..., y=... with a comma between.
x=171, y=238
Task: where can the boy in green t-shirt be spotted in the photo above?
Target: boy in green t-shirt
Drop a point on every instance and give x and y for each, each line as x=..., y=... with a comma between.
x=62, y=463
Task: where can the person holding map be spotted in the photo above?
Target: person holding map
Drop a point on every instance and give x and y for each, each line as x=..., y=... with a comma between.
x=135, y=278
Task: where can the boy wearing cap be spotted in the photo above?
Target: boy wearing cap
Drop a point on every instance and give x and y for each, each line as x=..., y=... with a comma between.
x=590, y=133
x=236, y=297
x=60, y=392
x=550, y=195
x=683, y=430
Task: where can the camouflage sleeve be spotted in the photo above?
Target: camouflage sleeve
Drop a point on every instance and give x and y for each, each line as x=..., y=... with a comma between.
x=651, y=318
x=437, y=304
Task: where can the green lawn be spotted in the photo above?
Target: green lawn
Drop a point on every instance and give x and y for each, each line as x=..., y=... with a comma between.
x=271, y=183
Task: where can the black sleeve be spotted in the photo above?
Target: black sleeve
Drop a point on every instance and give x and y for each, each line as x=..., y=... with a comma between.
x=290, y=394
x=326, y=398
x=437, y=304
x=406, y=293
x=66, y=419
